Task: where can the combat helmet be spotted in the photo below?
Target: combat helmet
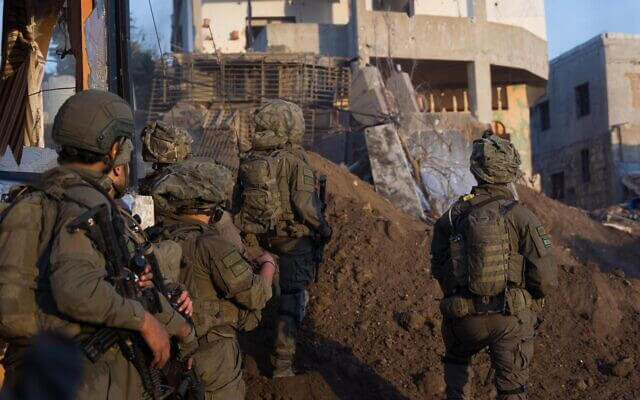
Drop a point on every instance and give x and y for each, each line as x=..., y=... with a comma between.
x=277, y=122
x=162, y=144
x=494, y=160
x=192, y=186
x=92, y=120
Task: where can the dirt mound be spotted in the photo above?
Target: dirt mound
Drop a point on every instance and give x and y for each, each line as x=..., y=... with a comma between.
x=372, y=331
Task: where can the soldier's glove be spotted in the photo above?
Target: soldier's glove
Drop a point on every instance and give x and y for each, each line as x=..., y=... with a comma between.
x=187, y=345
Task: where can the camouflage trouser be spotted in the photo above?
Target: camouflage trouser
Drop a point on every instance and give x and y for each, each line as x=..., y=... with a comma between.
x=510, y=342
x=296, y=273
x=219, y=363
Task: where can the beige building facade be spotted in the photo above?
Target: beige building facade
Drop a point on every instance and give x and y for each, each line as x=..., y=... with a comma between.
x=586, y=130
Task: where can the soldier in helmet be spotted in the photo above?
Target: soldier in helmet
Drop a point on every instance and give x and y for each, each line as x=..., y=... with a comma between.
x=93, y=128
x=227, y=294
x=278, y=201
x=492, y=258
x=162, y=145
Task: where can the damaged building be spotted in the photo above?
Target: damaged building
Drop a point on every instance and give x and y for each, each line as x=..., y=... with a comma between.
x=586, y=130
x=483, y=58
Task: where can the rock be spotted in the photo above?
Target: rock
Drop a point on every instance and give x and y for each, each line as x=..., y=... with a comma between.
x=431, y=384
x=581, y=385
x=623, y=368
x=619, y=273
x=363, y=276
x=411, y=321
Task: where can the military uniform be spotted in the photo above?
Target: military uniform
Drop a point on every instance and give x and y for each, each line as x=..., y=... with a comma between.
x=227, y=296
x=505, y=323
x=73, y=294
x=295, y=222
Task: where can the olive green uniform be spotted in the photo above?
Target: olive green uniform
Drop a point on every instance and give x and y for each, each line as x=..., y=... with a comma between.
x=227, y=296
x=77, y=286
x=506, y=328
x=293, y=243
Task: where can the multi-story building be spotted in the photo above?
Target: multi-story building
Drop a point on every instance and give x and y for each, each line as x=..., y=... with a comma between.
x=488, y=58
x=586, y=130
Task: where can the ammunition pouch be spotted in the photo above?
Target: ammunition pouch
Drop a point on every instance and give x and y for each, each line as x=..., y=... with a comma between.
x=292, y=230
x=512, y=302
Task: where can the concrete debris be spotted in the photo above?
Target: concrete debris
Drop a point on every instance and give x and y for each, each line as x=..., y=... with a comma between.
x=369, y=99
x=399, y=84
x=417, y=162
x=391, y=171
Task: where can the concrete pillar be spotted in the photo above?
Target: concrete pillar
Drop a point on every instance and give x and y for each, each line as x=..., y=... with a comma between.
x=479, y=77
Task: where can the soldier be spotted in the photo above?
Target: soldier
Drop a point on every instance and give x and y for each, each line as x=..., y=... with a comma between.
x=279, y=203
x=492, y=258
x=227, y=295
x=74, y=294
x=163, y=146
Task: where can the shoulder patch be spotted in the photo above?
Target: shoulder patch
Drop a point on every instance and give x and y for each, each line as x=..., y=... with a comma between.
x=540, y=230
x=232, y=258
x=234, y=262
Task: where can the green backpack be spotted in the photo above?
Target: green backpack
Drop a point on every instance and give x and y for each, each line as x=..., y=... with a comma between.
x=26, y=233
x=480, y=247
x=260, y=197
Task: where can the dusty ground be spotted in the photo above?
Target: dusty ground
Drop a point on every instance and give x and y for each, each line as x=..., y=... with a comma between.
x=372, y=330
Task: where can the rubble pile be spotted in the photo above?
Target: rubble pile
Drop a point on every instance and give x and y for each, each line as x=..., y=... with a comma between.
x=373, y=329
x=623, y=217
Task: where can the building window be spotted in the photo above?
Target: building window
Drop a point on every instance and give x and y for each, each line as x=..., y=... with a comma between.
x=557, y=186
x=259, y=24
x=582, y=100
x=545, y=118
x=405, y=6
x=586, y=171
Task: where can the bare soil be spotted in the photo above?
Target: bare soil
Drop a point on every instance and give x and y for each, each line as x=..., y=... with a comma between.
x=373, y=326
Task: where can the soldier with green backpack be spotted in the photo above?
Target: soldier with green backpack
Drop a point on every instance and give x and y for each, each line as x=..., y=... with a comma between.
x=279, y=203
x=492, y=258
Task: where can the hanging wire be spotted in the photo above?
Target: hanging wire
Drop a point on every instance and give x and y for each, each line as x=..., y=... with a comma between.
x=164, y=68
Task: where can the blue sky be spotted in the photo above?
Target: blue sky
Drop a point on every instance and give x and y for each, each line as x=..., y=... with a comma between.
x=571, y=22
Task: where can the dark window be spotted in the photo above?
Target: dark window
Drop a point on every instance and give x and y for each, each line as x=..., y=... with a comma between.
x=405, y=6
x=586, y=171
x=545, y=118
x=582, y=100
x=557, y=186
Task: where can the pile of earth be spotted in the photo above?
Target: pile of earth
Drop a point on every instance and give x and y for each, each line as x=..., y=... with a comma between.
x=373, y=326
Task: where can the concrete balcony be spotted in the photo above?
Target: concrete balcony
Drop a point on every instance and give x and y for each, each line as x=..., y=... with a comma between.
x=425, y=37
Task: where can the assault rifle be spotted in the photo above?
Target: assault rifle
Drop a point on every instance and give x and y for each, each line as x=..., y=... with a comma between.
x=318, y=254
x=108, y=234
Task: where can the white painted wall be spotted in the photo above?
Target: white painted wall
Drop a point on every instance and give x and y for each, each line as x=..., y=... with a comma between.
x=528, y=14
x=227, y=16
x=444, y=8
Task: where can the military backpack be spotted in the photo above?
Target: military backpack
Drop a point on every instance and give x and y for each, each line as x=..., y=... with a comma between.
x=260, y=200
x=480, y=247
x=26, y=234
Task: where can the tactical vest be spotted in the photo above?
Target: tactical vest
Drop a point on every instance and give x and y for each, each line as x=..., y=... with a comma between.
x=480, y=247
x=261, y=201
x=211, y=313
x=26, y=235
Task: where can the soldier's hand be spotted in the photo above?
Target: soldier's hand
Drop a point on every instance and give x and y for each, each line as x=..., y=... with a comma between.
x=267, y=267
x=157, y=338
x=186, y=305
x=145, y=279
